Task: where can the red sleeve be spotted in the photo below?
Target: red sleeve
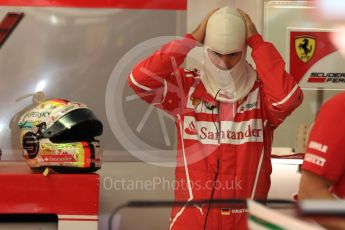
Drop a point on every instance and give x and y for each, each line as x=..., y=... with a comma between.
x=325, y=153
x=158, y=80
x=281, y=92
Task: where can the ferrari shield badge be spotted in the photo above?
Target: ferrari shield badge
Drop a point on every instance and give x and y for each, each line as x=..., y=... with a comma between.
x=305, y=47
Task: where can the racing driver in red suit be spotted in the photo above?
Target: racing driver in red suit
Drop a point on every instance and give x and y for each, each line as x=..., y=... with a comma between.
x=225, y=115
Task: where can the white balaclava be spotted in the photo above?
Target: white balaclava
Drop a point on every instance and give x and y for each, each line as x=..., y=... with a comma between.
x=225, y=34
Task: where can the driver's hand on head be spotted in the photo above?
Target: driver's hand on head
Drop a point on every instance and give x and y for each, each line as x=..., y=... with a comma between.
x=250, y=26
x=200, y=31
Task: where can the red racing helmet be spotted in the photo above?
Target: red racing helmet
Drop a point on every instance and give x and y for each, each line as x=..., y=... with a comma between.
x=60, y=134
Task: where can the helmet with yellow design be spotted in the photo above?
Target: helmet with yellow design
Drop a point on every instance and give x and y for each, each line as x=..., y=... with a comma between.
x=60, y=134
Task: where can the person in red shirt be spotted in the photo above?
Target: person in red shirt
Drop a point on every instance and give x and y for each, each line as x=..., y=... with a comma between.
x=225, y=115
x=324, y=158
x=323, y=169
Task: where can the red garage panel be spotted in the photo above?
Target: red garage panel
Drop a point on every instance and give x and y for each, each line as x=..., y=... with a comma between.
x=25, y=192
x=8, y=24
x=125, y=4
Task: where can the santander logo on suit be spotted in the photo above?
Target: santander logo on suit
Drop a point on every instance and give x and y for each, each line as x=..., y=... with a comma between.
x=230, y=132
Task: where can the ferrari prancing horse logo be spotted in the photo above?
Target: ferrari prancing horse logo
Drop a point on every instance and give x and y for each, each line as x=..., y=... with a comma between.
x=305, y=47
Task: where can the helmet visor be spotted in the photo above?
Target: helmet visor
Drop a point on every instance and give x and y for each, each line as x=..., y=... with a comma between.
x=77, y=125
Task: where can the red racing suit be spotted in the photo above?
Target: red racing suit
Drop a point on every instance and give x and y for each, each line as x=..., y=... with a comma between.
x=223, y=149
